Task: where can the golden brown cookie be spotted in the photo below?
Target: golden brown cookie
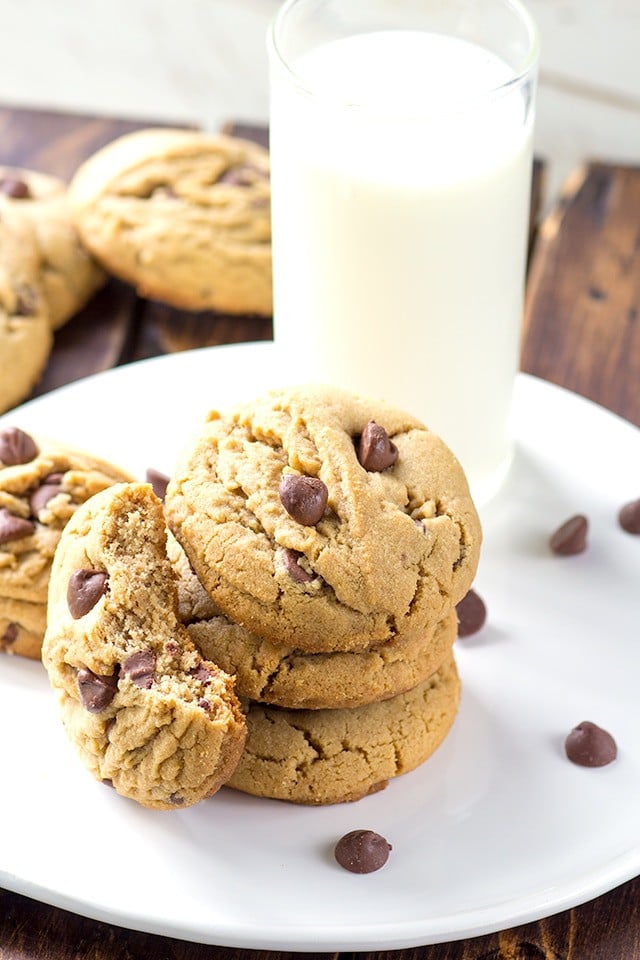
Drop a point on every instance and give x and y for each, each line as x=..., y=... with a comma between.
x=143, y=709
x=42, y=483
x=22, y=626
x=331, y=756
x=183, y=216
x=313, y=534
x=25, y=329
x=68, y=274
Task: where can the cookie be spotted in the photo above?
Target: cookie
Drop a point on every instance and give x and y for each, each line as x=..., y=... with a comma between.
x=183, y=216
x=298, y=541
x=68, y=274
x=25, y=329
x=22, y=626
x=42, y=483
x=332, y=756
x=144, y=710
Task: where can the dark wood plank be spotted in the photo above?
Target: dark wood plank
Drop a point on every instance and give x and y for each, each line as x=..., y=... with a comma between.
x=582, y=319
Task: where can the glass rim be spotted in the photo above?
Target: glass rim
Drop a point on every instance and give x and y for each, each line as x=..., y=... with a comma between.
x=527, y=69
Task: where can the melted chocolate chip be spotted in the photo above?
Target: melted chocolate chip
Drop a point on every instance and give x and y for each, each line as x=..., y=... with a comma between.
x=201, y=673
x=376, y=452
x=629, y=517
x=205, y=705
x=9, y=636
x=159, y=482
x=304, y=498
x=84, y=590
x=290, y=559
x=140, y=667
x=16, y=446
x=176, y=800
x=472, y=614
x=96, y=692
x=12, y=527
x=48, y=489
x=362, y=851
x=590, y=746
x=571, y=537
x=15, y=188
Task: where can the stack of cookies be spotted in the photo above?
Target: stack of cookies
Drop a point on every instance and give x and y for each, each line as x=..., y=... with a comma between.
x=41, y=486
x=322, y=541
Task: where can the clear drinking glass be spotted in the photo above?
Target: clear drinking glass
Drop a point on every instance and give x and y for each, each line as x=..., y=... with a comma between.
x=401, y=156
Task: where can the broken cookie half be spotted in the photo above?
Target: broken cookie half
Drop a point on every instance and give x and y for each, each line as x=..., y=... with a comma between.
x=144, y=710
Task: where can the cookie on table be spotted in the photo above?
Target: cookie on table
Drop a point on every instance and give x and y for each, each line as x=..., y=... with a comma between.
x=68, y=274
x=25, y=328
x=42, y=483
x=298, y=541
x=333, y=756
x=183, y=216
x=142, y=707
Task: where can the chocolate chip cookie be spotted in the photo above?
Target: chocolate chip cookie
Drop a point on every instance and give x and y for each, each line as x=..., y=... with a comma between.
x=42, y=483
x=25, y=329
x=183, y=216
x=331, y=756
x=144, y=710
x=69, y=276
x=323, y=521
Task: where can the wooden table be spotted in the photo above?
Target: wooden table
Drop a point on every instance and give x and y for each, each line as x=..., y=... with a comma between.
x=582, y=331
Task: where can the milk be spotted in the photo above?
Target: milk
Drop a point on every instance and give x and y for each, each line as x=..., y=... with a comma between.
x=400, y=213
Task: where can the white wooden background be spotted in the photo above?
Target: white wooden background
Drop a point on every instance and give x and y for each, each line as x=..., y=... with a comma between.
x=204, y=61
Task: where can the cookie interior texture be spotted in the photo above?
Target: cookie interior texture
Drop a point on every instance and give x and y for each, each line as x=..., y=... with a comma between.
x=182, y=215
x=393, y=553
x=168, y=730
x=333, y=756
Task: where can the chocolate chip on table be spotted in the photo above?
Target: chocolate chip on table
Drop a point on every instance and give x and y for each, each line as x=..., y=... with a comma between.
x=159, y=482
x=140, y=667
x=376, y=452
x=9, y=636
x=84, y=590
x=13, y=527
x=96, y=692
x=571, y=537
x=48, y=489
x=629, y=517
x=304, y=498
x=296, y=572
x=472, y=614
x=362, y=851
x=15, y=188
x=16, y=447
x=590, y=746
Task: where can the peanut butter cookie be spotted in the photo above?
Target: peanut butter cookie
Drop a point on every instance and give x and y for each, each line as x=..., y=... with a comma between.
x=142, y=707
x=183, y=216
x=324, y=521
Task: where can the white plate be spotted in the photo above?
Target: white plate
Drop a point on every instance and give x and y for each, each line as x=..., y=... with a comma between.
x=496, y=829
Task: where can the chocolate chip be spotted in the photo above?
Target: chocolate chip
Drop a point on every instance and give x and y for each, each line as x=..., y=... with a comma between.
x=16, y=446
x=96, y=692
x=26, y=302
x=290, y=559
x=629, y=517
x=159, y=482
x=107, y=782
x=205, y=705
x=376, y=452
x=304, y=498
x=590, y=746
x=15, y=188
x=48, y=489
x=242, y=175
x=12, y=527
x=172, y=648
x=140, y=667
x=472, y=614
x=176, y=800
x=9, y=636
x=571, y=537
x=201, y=673
x=84, y=590
x=362, y=851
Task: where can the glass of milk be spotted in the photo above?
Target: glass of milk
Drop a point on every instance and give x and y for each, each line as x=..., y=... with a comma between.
x=401, y=158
